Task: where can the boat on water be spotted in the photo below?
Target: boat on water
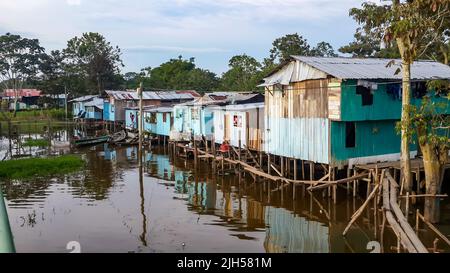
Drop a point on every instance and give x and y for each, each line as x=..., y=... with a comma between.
x=91, y=140
x=118, y=137
x=60, y=144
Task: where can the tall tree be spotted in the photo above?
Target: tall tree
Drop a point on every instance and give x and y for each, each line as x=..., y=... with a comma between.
x=290, y=44
x=414, y=26
x=294, y=44
x=243, y=74
x=370, y=46
x=93, y=58
x=180, y=74
x=20, y=60
x=323, y=49
x=51, y=79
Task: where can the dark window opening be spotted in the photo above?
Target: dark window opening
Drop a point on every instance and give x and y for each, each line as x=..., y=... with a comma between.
x=350, y=135
x=394, y=90
x=366, y=95
x=418, y=89
x=164, y=117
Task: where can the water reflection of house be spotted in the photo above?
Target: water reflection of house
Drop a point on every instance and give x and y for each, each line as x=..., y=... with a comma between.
x=288, y=233
x=202, y=194
x=256, y=216
x=109, y=154
x=132, y=152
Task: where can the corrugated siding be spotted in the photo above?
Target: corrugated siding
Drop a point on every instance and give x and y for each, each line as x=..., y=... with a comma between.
x=300, y=138
x=163, y=128
x=248, y=132
x=287, y=233
x=193, y=119
x=106, y=111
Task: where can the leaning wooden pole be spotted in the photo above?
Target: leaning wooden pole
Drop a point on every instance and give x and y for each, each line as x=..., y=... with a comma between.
x=141, y=124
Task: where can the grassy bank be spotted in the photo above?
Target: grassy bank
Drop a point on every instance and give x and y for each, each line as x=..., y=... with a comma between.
x=42, y=114
x=35, y=142
x=32, y=167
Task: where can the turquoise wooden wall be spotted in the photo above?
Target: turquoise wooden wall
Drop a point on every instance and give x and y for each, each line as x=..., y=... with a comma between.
x=372, y=138
x=384, y=106
x=184, y=122
x=163, y=127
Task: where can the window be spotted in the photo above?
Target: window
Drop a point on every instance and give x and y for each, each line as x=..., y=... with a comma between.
x=194, y=113
x=237, y=121
x=418, y=89
x=350, y=137
x=164, y=117
x=366, y=95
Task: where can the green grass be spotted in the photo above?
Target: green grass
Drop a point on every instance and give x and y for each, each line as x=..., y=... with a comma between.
x=42, y=114
x=35, y=142
x=32, y=167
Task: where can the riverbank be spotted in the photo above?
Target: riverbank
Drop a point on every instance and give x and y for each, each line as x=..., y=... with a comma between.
x=32, y=167
x=33, y=115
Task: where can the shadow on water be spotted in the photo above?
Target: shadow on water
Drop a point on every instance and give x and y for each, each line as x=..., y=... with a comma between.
x=110, y=207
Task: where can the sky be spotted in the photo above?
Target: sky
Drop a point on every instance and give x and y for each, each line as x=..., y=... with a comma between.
x=150, y=32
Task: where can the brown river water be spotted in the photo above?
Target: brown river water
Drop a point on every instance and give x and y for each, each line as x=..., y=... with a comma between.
x=106, y=207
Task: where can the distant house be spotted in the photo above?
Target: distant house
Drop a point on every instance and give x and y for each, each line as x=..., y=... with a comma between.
x=196, y=118
x=159, y=121
x=59, y=100
x=26, y=98
x=94, y=109
x=240, y=122
x=117, y=102
x=340, y=111
x=79, y=105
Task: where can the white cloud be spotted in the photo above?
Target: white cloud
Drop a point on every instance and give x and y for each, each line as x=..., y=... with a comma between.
x=220, y=27
x=175, y=49
x=73, y=2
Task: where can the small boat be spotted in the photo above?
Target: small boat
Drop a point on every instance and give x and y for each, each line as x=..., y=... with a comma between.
x=60, y=144
x=118, y=137
x=90, y=141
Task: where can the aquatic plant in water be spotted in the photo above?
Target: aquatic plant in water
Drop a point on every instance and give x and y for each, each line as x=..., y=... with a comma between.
x=32, y=167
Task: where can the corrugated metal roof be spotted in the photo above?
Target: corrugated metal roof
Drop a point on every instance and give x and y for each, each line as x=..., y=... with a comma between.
x=239, y=107
x=22, y=93
x=372, y=68
x=84, y=98
x=150, y=95
x=159, y=110
x=96, y=102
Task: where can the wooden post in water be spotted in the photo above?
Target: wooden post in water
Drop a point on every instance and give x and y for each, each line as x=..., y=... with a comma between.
x=295, y=178
x=213, y=149
x=141, y=131
x=240, y=148
x=195, y=153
